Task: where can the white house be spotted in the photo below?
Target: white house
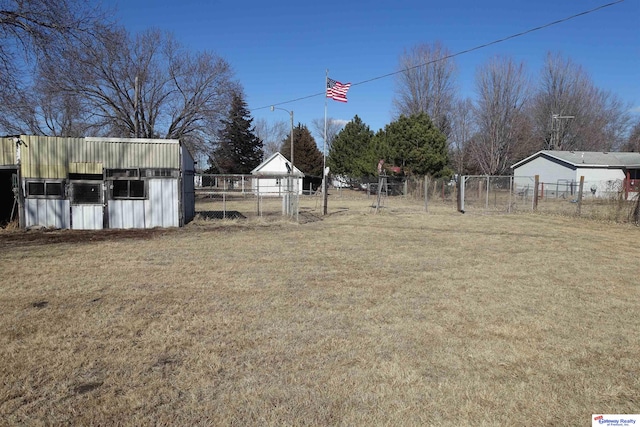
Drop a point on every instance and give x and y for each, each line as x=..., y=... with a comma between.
x=271, y=176
x=560, y=171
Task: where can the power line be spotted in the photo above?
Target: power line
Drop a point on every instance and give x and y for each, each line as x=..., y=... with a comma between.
x=453, y=55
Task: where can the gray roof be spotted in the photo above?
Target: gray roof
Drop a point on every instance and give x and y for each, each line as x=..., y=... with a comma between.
x=589, y=158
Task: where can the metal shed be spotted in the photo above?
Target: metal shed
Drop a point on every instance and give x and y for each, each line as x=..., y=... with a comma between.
x=94, y=183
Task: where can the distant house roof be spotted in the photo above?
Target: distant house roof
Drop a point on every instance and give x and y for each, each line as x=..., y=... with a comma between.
x=274, y=165
x=588, y=159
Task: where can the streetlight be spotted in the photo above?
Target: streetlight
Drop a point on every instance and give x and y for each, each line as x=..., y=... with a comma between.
x=290, y=115
x=273, y=108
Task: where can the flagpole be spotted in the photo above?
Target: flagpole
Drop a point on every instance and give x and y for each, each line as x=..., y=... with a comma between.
x=324, y=148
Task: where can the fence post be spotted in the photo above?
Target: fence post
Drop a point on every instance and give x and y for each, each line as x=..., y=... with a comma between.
x=511, y=178
x=486, y=203
x=627, y=185
x=461, y=194
x=579, y=207
x=426, y=189
x=258, y=196
x=535, y=192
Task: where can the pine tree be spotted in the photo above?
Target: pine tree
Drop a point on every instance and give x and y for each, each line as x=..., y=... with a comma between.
x=352, y=151
x=306, y=156
x=239, y=150
x=416, y=145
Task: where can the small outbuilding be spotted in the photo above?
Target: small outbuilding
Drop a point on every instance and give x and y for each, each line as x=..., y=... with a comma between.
x=270, y=176
x=604, y=172
x=95, y=183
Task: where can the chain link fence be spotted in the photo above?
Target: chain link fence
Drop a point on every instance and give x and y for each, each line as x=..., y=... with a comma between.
x=610, y=200
x=282, y=196
x=246, y=196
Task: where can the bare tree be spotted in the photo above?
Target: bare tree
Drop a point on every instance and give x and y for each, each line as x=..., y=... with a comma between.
x=333, y=128
x=427, y=84
x=462, y=129
x=502, y=87
x=569, y=112
x=31, y=28
x=633, y=141
x=148, y=86
x=271, y=134
x=31, y=32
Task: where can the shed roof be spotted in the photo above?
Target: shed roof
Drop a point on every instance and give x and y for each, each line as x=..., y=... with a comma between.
x=275, y=164
x=589, y=159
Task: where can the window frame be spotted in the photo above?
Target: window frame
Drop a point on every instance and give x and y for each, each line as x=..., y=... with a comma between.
x=45, y=193
x=72, y=196
x=128, y=182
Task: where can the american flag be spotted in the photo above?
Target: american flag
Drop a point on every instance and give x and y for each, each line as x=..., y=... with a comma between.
x=337, y=91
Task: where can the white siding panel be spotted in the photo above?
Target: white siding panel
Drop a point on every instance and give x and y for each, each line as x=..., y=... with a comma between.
x=551, y=173
x=126, y=214
x=47, y=213
x=161, y=210
x=86, y=217
x=605, y=182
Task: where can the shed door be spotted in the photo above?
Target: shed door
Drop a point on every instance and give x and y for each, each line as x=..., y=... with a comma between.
x=87, y=207
x=8, y=201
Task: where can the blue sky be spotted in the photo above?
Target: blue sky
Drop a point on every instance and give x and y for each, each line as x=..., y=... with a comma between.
x=280, y=50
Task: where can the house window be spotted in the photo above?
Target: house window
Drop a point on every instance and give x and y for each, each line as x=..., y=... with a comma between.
x=128, y=189
x=83, y=193
x=45, y=189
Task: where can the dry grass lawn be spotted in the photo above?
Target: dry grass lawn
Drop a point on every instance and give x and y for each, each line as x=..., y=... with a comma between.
x=401, y=318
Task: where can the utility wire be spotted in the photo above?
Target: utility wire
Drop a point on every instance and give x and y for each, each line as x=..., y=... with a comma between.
x=453, y=55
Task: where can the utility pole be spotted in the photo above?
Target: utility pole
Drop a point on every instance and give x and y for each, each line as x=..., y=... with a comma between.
x=555, y=130
x=136, y=114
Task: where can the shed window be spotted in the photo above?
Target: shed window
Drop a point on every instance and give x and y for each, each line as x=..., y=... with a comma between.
x=128, y=189
x=86, y=193
x=45, y=189
x=159, y=173
x=36, y=188
x=122, y=173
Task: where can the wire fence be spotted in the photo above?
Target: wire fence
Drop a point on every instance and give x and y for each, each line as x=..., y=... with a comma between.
x=245, y=196
x=278, y=196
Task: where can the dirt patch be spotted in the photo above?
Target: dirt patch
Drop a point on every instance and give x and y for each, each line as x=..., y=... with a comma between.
x=15, y=238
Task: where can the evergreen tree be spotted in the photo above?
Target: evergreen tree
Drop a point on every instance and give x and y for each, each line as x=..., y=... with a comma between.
x=239, y=150
x=352, y=153
x=415, y=144
x=306, y=155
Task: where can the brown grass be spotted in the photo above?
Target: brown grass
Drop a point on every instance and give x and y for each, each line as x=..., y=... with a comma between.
x=400, y=318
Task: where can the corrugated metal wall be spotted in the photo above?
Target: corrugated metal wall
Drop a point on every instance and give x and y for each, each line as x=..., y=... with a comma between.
x=46, y=213
x=53, y=158
x=128, y=153
x=86, y=217
x=44, y=157
x=160, y=210
x=7, y=152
